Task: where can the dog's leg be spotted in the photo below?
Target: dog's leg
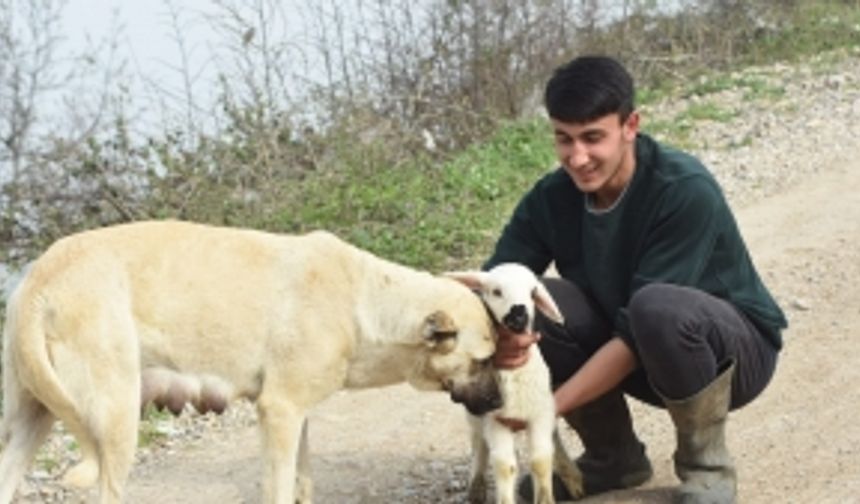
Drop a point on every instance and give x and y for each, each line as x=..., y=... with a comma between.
x=480, y=456
x=98, y=362
x=281, y=425
x=504, y=460
x=86, y=472
x=28, y=426
x=304, y=481
x=541, y=454
x=113, y=420
x=116, y=454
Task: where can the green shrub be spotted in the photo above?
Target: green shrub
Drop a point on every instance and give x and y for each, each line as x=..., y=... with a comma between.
x=426, y=214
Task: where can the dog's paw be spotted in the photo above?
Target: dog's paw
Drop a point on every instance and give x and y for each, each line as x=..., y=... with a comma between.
x=83, y=475
x=304, y=489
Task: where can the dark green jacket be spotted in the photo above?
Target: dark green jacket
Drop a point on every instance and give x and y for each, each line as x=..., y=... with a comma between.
x=672, y=225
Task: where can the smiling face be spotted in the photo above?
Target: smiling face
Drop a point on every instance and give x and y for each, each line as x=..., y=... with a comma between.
x=598, y=155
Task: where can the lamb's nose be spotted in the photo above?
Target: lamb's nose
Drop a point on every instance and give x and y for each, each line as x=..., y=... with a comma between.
x=516, y=319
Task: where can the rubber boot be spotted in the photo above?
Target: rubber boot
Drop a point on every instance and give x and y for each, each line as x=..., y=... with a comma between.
x=702, y=461
x=614, y=458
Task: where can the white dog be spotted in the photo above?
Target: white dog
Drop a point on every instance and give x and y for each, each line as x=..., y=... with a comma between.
x=175, y=312
x=511, y=292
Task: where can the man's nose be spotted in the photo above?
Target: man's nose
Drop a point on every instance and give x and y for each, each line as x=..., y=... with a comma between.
x=578, y=155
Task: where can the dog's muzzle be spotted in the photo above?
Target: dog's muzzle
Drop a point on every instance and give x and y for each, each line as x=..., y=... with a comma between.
x=479, y=396
x=516, y=319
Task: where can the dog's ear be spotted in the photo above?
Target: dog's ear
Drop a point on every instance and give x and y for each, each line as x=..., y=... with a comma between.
x=544, y=302
x=471, y=279
x=440, y=331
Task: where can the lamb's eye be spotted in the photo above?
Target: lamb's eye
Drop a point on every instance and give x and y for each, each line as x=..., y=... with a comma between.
x=497, y=292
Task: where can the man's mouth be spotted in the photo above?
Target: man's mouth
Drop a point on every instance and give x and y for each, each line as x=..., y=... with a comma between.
x=586, y=174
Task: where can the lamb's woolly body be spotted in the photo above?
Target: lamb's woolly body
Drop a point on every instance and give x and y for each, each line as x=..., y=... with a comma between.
x=526, y=390
x=512, y=292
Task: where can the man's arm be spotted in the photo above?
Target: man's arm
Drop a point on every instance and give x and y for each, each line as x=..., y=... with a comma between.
x=602, y=372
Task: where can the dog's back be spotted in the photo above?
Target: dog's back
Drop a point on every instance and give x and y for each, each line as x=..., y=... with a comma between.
x=103, y=316
x=187, y=313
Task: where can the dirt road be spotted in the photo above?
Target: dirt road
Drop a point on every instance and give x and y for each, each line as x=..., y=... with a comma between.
x=799, y=442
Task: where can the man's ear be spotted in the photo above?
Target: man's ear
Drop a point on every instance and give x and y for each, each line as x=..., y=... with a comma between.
x=544, y=302
x=439, y=331
x=630, y=127
x=471, y=279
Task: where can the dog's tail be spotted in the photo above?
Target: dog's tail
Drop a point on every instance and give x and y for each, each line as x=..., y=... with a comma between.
x=32, y=391
x=26, y=361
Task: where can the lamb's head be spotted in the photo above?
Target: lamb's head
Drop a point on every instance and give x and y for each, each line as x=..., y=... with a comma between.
x=511, y=292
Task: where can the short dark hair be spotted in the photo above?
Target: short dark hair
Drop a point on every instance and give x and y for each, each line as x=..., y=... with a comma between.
x=587, y=88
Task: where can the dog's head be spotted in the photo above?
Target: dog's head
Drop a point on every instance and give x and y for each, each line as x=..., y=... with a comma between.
x=459, y=343
x=511, y=292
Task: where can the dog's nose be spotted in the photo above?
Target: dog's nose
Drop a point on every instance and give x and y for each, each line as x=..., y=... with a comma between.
x=516, y=319
x=483, y=405
x=480, y=396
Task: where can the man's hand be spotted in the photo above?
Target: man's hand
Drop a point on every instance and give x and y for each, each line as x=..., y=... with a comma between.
x=513, y=424
x=512, y=350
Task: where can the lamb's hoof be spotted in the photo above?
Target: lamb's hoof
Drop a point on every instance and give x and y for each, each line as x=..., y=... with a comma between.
x=478, y=491
x=569, y=479
x=525, y=490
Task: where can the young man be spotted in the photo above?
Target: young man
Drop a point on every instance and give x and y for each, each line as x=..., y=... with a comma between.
x=659, y=293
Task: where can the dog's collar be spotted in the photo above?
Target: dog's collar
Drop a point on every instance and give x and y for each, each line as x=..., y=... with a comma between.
x=492, y=315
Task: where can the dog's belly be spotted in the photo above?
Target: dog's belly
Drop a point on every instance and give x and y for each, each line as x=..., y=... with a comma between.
x=170, y=389
x=177, y=370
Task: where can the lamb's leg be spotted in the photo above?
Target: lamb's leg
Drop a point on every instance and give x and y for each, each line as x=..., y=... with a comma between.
x=480, y=456
x=504, y=459
x=541, y=453
x=567, y=469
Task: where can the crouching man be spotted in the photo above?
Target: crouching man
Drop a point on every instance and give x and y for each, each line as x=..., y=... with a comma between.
x=659, y=294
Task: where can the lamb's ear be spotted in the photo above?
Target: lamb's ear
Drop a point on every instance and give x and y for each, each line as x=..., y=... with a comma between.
x=544, y=303
x=439, y=331
x=471, y=279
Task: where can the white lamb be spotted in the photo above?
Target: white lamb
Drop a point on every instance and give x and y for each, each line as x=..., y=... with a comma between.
x=512, y=292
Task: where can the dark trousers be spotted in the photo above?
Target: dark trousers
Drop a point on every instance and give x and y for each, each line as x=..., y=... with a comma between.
x=683, y=338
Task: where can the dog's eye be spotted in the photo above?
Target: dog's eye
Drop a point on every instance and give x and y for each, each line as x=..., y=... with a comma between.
x=497, y=292
x=482, y=364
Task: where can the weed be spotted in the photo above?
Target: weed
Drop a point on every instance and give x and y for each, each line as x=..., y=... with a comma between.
x=151, y=430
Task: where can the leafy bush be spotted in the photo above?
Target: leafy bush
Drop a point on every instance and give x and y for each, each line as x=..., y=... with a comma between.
x=419, y=212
